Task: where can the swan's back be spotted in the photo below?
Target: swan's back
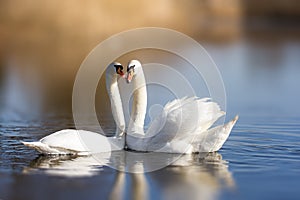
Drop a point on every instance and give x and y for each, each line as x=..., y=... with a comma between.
x=179, y=122
x=67, y=138
x=71, y=141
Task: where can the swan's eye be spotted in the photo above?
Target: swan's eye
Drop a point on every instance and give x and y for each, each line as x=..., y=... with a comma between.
x=119, y=69
x=129, y=68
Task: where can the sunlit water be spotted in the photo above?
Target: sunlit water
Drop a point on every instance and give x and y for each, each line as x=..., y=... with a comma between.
x=260, y=160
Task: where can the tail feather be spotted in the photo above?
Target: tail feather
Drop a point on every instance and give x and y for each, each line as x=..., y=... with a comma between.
x=41, y=147
x=213, y=139
x=47, y=149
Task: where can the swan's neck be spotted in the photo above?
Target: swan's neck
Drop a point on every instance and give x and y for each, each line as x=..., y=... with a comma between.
x=139, y=106
x=116, y=103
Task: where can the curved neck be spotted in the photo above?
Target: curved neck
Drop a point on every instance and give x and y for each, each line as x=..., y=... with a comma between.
x=116, y=103
x=139, y=107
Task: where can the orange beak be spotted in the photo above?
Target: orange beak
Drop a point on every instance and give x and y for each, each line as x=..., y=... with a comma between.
x=129, y=76
x=121, y=73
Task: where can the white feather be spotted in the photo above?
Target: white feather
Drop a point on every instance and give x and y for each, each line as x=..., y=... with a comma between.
x=79, y=142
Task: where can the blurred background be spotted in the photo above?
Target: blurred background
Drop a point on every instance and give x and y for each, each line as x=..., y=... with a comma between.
x=42, y=44
x=254, y=43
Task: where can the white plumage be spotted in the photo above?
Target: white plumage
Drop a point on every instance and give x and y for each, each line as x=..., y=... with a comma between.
x=79, y=142
x=181, y=127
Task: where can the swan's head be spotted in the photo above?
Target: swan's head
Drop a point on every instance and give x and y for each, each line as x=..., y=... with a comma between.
x=115, y=69
x=132, y=68
x=119, y=69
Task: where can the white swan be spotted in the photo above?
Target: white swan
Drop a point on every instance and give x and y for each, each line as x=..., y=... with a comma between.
x=81, y=142
x=181, y=127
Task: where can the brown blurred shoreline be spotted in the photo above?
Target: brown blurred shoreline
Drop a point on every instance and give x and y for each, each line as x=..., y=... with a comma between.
x=48, y=40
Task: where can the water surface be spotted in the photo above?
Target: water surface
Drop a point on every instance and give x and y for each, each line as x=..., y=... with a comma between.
x=260, y=160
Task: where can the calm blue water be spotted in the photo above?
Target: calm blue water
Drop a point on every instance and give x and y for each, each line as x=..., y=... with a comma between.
x=260, y=160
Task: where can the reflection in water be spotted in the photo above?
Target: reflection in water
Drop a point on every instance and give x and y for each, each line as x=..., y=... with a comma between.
x=197, y=176
x=67, y=166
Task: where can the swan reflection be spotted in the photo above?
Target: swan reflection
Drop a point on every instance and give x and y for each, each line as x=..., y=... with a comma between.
x=66, y=166
x=196, y=176
x=200, y=176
